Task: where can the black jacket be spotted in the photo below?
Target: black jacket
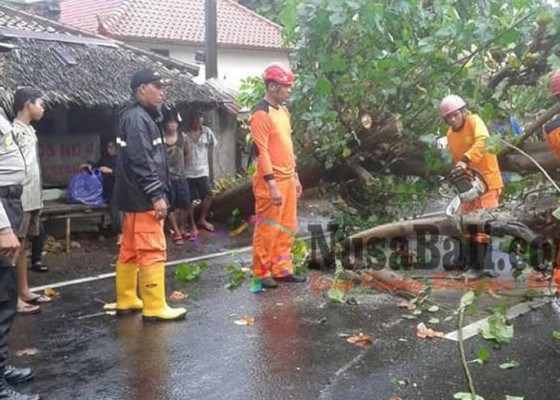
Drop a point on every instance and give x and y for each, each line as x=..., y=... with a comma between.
x=141, y=176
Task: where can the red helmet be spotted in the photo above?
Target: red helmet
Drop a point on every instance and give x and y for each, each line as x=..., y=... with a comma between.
x=278, y=72
x=450, y=104
x=555, y=83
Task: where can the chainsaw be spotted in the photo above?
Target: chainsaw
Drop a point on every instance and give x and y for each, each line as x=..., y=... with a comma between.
x=468, y=185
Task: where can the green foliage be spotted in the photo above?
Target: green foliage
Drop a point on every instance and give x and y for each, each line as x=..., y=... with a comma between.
x=267, y=8
x=340, y=286
x=225, y=183
x=235, y=276
x=189, y=272
x=497, y=329
x=299, y=256
x=556, y=335
x=483, y=356
x=251, y=92
x=358, y=57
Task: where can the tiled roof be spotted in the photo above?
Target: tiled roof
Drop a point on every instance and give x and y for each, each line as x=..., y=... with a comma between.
x=173, y=20
x=11, y=19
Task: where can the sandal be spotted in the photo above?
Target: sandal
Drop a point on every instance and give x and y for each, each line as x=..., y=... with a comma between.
x=39, y=267
x=39, y=298
x=178, y=239
x=24, y=308
x=186, y=235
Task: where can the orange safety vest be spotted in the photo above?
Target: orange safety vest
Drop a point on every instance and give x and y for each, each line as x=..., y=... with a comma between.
x=272, y=138
x=552, y=132
x=469, y=143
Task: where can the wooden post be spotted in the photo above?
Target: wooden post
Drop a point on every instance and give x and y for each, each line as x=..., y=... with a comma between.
x=211, y=40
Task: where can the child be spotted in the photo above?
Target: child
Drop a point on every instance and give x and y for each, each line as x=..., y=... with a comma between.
x=28, y=107
x=179, y=196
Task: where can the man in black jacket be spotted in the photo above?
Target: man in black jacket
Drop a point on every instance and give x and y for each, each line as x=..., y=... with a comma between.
x=141, y=190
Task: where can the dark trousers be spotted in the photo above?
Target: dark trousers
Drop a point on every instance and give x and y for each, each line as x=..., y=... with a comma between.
x=37, y=245
x=8, y=304
x=10, y=198
x=116, y=216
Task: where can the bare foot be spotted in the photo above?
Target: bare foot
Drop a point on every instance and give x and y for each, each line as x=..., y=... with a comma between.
x=206, y=225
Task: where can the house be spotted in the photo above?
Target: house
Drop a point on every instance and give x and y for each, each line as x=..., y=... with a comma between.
x=86, y=77
x=247, y=42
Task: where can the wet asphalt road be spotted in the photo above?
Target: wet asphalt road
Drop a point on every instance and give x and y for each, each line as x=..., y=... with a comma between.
x=293, y=351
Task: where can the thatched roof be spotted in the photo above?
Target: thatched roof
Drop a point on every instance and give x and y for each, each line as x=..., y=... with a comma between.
x=84, y=70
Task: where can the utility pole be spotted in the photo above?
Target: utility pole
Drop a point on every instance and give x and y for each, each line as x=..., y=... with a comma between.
x=211, y=40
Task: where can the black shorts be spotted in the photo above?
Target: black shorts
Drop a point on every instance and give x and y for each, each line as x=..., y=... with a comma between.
x=200, y=188
x=179, y=196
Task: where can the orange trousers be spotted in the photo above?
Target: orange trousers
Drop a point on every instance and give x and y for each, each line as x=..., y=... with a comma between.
x=487, y=200
x=143, y=240
x=275, y=229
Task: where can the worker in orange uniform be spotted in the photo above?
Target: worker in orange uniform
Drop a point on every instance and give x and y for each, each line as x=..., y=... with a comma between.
x=276, y=184
x=552, y=135
x=466, y=138
x=141, y=188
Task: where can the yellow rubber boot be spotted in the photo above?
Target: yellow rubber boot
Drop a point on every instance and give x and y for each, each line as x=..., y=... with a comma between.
x=127, y=283
x=152, y=291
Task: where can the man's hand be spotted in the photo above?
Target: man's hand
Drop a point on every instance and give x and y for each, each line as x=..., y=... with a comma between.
x=160, y=207
x=299, y=188
x=461, y=164
x=105, y=170
x=9, y=243
x=275, y=194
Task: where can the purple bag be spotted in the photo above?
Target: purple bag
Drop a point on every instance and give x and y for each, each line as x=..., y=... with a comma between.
x=86, y=188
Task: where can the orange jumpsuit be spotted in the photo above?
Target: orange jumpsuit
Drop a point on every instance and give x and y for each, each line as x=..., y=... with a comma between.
x=552, y=132
x=272, y=242
x=467, y=145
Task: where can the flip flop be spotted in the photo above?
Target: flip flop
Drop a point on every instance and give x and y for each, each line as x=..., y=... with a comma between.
x=28, y=309
x=40, y=298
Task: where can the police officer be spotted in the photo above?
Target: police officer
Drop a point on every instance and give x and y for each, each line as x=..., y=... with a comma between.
x=12, y=174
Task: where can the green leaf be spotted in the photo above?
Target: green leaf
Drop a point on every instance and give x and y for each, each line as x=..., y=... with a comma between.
x=467, y=300
x=509, y=365
x=556, y=335
x=417, y=312
x=235, y=277
x=409, y=316
x=189, y=272
x=323, y=86
x=483, y=355
x=433, y=321
x=497, y=328
x=448, y=318
x=508, y=397
x=466, y=396
x=433, y=309
x=338, y=18
x=336, y=295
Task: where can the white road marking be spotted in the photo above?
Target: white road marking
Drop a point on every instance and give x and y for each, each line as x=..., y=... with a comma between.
x=514, y=312
x=169, y=264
